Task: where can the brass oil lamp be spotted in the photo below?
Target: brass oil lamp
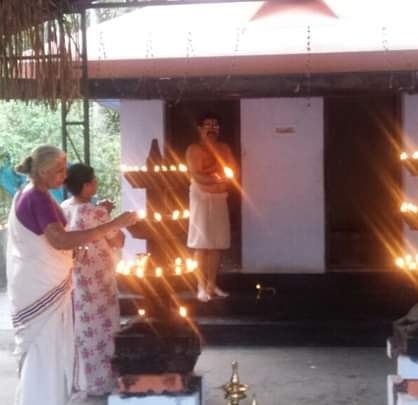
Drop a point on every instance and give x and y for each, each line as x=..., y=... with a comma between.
x=234, y=390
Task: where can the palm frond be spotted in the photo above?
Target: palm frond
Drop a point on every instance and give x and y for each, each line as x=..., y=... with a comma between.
x=39, y=51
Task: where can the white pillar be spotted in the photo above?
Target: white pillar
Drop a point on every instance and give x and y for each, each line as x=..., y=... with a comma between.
x=141, y=121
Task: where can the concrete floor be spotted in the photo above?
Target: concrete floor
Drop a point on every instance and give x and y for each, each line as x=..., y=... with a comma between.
x=277, y=376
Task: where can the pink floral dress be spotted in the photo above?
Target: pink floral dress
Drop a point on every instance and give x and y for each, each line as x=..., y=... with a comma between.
x=96, y=309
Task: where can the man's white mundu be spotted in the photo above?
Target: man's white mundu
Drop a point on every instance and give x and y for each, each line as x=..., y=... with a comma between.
x=209, y=220
x=39, y=288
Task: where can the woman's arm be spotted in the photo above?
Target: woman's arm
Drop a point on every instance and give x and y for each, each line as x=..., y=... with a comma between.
x=61, y=239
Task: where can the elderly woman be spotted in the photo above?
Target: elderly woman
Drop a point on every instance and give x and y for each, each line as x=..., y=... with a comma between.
x=39, y=267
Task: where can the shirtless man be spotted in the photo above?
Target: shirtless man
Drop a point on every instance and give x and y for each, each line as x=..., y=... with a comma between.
x=209, y=228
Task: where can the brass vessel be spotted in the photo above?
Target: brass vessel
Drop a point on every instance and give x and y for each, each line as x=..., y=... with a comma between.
x=234, y=390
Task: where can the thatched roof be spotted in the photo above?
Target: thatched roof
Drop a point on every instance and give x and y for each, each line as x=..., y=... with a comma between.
x=39, y=43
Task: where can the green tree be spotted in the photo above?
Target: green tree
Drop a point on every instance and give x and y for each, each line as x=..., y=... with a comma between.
x=25, y=126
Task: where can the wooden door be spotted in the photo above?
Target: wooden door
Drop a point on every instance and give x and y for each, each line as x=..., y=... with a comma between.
x=362, y=181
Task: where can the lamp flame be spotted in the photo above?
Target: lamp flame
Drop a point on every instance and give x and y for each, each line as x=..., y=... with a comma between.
x=142, y=214
x=408, y=262
x=120, y=267
x=229, y=174
x=191, y=265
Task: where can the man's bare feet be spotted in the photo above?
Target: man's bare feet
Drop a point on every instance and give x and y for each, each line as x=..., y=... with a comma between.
x=203, y=295
x=220, y=293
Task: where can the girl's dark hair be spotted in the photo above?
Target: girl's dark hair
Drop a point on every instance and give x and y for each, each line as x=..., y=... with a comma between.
x=77, y=175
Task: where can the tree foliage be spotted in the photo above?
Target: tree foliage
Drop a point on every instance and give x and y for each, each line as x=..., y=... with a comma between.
x=25, y=126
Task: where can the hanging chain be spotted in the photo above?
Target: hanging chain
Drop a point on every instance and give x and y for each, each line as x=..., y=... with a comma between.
x=149, y=63
x=149, y=53
x=190, y=53
x=102, y=52
x=239, y=33
x=385, y=45
x=308, y=67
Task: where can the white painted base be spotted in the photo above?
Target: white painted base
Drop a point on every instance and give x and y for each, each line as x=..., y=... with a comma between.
x=405, y=399
x=191, y=399
x=392, y=390
x=407, y=367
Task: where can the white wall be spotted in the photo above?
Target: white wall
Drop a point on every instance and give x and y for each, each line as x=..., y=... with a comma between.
x=283, y=225
x=141, y=121
x=410, y=183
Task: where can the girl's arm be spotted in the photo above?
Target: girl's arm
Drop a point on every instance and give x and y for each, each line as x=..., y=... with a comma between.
x=117, y=241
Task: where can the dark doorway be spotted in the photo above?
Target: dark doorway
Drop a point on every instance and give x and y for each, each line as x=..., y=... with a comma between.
x=362, y=182
x=181, y=131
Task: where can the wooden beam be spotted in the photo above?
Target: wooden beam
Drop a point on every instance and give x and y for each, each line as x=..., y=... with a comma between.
x=89, y=4
x=232, y=87
x=235, y=87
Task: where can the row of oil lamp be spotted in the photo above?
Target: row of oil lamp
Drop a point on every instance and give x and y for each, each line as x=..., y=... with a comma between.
x=408, y=262
x=408, y=207
x=142, y=312
x=175, y=215
x=405, y=156
x=140, y=267
x=156, y=169
x=229, y=173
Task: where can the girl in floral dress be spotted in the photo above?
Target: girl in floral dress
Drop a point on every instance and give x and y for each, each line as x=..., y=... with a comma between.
x=96, y=309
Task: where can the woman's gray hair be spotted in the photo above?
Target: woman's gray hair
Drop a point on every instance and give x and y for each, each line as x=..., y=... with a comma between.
x=41, y=157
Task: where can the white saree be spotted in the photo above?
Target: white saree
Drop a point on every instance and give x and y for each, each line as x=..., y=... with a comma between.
x=39, y=289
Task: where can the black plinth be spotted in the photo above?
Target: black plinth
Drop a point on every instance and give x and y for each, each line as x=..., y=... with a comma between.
x=156, y=346
x=405, y=334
